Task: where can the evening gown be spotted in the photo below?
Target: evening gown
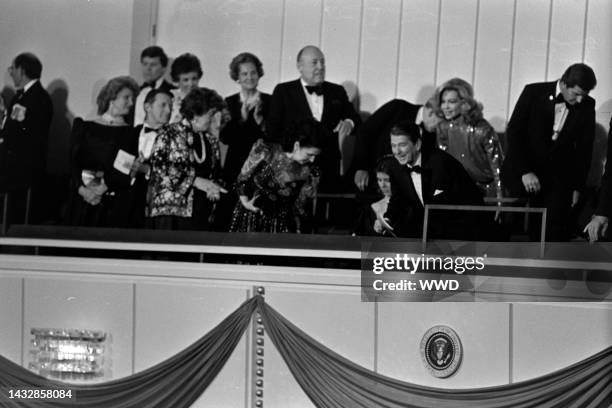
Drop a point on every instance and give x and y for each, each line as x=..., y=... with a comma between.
x=94, y=148
x=284, y=190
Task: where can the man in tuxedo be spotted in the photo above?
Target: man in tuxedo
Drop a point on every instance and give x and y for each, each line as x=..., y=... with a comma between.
x=24, y=134
x=154, y=62
x=598, y=227
x=157, y=107
x=311, y=96
x=372, y=140
x=428, y=176
x=550, y=141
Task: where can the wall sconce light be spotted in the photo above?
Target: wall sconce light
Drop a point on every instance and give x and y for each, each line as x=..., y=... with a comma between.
x=68, y=353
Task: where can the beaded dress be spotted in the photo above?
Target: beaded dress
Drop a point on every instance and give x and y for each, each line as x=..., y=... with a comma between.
x=283, y=188
x=478, y=149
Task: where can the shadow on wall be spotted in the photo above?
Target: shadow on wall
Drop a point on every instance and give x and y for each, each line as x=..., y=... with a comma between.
x=58, y=156
x=600, y=145
x=57, y=177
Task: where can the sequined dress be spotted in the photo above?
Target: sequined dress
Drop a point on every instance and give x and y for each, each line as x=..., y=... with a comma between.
x=478, y=149
x=283, y=186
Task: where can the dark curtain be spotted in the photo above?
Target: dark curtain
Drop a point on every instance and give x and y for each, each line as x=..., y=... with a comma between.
x=328, y=379
x=331, y=380
x=176, y=382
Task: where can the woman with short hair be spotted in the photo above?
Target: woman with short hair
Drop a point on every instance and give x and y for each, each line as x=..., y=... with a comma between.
x=185, y=183
x=101, y=173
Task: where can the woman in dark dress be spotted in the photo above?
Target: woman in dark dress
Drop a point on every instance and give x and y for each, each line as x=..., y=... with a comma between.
x=184, y=184
x=248, y=109
x=102, y=172
x=277, y=183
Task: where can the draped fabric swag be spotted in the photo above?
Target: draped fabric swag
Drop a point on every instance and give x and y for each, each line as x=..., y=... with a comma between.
x=328, y=379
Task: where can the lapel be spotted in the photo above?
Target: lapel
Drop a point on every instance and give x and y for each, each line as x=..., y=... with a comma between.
x=410, y=188
x=327, y=102
x=550, y=105
x=426, y=176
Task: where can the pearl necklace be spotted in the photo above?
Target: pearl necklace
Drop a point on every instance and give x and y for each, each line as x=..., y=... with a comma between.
x=200, y=159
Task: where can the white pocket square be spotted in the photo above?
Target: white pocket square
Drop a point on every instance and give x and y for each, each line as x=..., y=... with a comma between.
x=438, y=192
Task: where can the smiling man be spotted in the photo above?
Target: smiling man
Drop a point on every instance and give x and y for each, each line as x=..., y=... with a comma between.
x=421, y=176
x=153, y=61
x=550, y=142
x=311, y=96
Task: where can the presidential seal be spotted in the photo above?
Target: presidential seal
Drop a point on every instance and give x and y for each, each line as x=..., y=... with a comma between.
x=441, y=351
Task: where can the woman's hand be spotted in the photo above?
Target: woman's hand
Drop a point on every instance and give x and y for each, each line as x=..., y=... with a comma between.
x=213, y=190
x=250, y=204
x=89, y=195
x=139, y=166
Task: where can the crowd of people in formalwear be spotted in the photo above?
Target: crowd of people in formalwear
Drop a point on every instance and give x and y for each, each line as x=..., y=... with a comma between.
x=153, y=157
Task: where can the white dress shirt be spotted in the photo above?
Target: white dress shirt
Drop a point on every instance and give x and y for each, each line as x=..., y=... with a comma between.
x=314, y=101
x=416, y=179
x=139, y=112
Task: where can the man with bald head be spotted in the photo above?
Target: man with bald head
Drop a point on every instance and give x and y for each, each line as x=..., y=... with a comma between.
x=310, y=96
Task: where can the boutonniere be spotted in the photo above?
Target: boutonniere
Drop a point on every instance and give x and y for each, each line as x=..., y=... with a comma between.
x=18, y=113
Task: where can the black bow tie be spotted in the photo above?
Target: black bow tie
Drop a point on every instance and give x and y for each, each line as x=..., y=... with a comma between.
x=148, y=129
x=148, y=84
x=416, y=169
x=19, y=93
x=317, y=89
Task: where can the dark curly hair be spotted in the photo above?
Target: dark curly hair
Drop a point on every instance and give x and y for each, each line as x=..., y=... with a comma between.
x=307, y=132
x=112, y=88
x=155, y=51
x=184, y=64
x=581, y=75
x=199, y=101
x=244, y=58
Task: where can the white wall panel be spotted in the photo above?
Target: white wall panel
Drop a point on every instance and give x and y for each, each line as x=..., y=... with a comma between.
x=402, y=326
x=529, y=51
x=316, y=311
x=379, y=52
x=301, y=26
x=598, y=54
x=458, y=23
x=340, y=42
x=83, y=304
x=11, y=317
x=550, y=337
x=566, y=36
x=217, y=30
x=170, y=317
x=493, y=53
x=418, y=50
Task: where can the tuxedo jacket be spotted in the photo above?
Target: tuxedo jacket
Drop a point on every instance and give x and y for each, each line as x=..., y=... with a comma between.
x=289, y=105
x=604, y=205
x=562, y=163
x=372, y=141
x=165, y=85
x=240, y=135
x=23, y=152
x=444, y=181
